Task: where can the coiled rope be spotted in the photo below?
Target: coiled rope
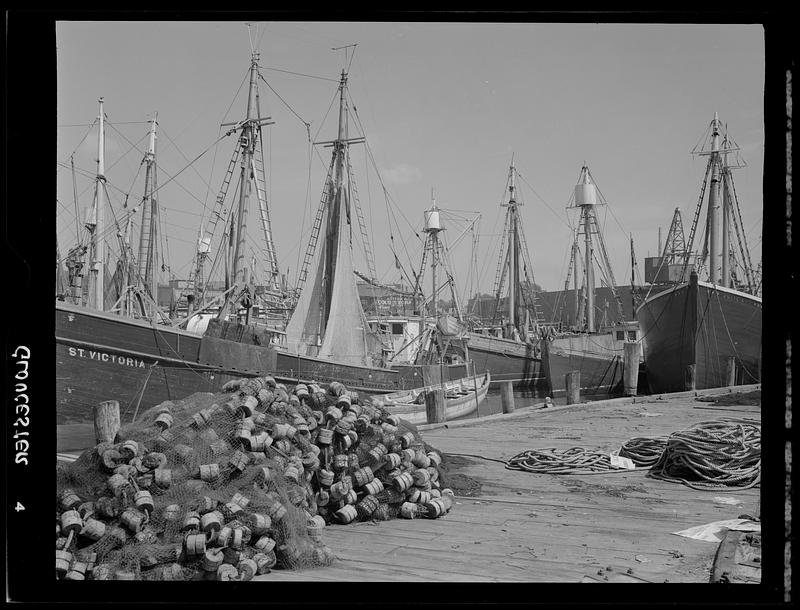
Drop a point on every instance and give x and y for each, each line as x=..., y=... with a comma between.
x=713, y=455
x=575, y=460
x=710, y=455
x=643, y=451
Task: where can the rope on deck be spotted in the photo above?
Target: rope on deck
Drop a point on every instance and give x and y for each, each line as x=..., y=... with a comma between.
x=713, y=455
x=575, y=460
x=643, y=451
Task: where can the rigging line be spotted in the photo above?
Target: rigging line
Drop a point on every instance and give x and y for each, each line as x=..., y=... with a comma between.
x=327, y=112
x=332, y=80
x=285, y=103
x=175, y=144
x=86, y=135
x=541, y=199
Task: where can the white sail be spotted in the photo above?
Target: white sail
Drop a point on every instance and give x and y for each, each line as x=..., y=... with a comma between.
x=345, y=334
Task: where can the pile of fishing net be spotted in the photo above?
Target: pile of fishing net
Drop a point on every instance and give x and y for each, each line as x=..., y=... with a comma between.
x=226, y=486
x=709, y=455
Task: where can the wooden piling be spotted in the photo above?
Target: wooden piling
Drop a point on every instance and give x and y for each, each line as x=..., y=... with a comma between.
x=435, y=406
x=106, y=421
x=630, y=367
x=689, y=377
x=573, y=385
x=730, y=372
x=507, y=397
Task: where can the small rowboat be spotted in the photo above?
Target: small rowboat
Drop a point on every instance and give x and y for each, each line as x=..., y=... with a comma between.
x=462, y=398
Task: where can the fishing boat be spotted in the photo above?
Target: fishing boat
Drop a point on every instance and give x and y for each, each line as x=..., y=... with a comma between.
x=702, y=334
x=511, y=350
x=143, y=360
x=462, y=397
x=593, y=347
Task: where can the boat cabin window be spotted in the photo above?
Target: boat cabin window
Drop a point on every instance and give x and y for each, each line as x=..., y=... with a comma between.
x=620, y=335
x=631, y=335
x=397, y=328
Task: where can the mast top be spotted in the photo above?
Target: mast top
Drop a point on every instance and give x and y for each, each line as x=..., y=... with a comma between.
x=585, y=190
x=433, y=223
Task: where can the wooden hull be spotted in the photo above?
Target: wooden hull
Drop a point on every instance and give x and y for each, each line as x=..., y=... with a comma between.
x=509, y=360
x=460, y=396
x=595, y=356
x=703, y=325
x=101, y=356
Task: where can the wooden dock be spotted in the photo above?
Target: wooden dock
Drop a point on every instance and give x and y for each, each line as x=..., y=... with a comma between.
x=525, y=527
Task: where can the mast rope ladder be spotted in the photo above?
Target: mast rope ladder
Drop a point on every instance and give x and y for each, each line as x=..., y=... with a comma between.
x=315, y=229
x=695, y=220
x=362, y=225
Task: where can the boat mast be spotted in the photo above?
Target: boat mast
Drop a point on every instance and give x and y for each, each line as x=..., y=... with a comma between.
x=96, y=222
x=432, y=227
x=513, y=259
x=726, y=216
x=713, y=218
x=240, y=272
x=147, y=236
x=586, y=199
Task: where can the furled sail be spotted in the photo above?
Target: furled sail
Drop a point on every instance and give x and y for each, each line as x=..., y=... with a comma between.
x=340, y=332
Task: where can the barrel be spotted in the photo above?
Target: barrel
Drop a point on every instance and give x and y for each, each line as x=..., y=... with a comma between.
x=421, y=460
x=143, y=501
x=367, y=506
x=373, y=486
x=231, y=511
x=292, y=473
x=325, y=436
x=322, y=498
x=154, y=460
x=240, y=499
x=435, y=458
x=408, y=454
x=69, y=499
x=259, y=523
x=315, y=527
x=419, y=496
x=377, y=452
x=333, y=414
x=118, y=483
x=212, y=559
x=276, y=511
x=162, y=477
x=238, y=461
x=259, y=442
x=325, y=477
x=421, y=476
x=362, y=476
x=93, y=529
x=129, y=449
x=408, y=510
x=164, y=421
x=63, y=561
x=403, y=481
x=346, y=514
x=71, y=522
x=310, y=462
x=191, y=521
x=195, y=545
x=407, y=439
x=248, y=405
x=264, y=544
x=392, y=461
x=132, y=519
x=209, y=472
x=211, y=522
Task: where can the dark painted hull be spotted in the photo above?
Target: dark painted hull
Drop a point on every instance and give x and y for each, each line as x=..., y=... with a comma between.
x=508, y=360
x=594, y=356
x=102, y=356
x=702, y=325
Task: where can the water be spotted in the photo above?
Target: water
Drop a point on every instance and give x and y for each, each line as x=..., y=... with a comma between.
x=492, y=404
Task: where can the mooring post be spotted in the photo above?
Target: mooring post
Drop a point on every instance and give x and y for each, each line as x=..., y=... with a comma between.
x=106, y=421
x=689, y=379
x=507, y=397
x=435, y=406
x=730, y=373
x=630, y=367
x=573, y=384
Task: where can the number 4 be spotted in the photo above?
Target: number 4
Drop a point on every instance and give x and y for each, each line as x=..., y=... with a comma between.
x=19, y=507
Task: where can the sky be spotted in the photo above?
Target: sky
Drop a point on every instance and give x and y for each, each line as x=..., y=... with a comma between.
x=444, y=106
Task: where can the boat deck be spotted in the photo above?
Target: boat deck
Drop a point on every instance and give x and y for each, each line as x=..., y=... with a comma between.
x=524, y=527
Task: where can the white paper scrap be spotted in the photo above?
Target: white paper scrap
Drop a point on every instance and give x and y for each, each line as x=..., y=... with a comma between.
x=622, y=462
x=715, y=532
x=727, y=500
